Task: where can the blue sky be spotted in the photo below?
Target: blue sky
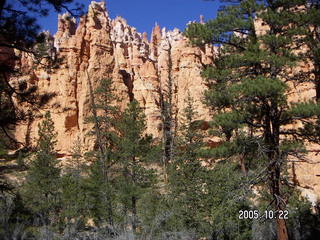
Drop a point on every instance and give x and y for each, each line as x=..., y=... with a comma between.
x=142, y=14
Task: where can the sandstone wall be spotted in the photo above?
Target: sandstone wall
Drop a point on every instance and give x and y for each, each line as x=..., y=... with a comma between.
x=99, y=47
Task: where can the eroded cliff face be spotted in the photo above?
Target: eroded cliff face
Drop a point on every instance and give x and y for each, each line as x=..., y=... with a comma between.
x=99, y=47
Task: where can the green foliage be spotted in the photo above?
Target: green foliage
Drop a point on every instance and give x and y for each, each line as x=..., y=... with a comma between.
x=305, y=110
x=73, y=197
x=302, y=222
x=187, y=176
x=14, y=217
x=227, y=194
x=104, y=116
x=20, y=160
x=150, y=207
x=248, y=148
x=119, y=176
x=248, y=87
x=136, y=179
x=101, y=195
x=18, y=23
x=248, y=93
x=41, y=190
x=19, y=30
x=74, y=200
x=8, y=113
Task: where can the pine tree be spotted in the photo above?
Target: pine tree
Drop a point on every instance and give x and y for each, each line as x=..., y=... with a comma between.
x=168, y=117
x=224, y=200
x=135, y=152
x=41, y=190
x=309, y=42
x=104, y=116
x=187, y=175
x=73, y=191
x=248, y=89
x=310, y=17
x=19, y=30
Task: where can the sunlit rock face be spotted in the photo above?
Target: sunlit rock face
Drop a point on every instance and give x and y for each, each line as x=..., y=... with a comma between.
x=99, y=47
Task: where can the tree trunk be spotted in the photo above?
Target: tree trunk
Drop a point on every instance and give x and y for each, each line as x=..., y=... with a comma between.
x=134, y=213
x=243, y=165
x=110, y=211
x=134, y=199
x=272, y=141
x=282, y=229
x=282, y=232
x=167, y=118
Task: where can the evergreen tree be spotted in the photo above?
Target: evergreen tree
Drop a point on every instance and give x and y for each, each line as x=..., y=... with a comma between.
x=309, y=43
x=104, y=116
x=135, y=152
x=14, y=216
x=41, y=189
x=310, y=17
x=168, y=117
x=19, y=30
x=303, y=223
x=73, y=191
x=248, y=89
x=226, y=197
x=187, y=175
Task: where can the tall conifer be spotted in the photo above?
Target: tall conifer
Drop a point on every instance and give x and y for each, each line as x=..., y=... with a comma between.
x=103, y=118
x=135, y=155
x=248, y=88
x=41, y=190
x=187, y=175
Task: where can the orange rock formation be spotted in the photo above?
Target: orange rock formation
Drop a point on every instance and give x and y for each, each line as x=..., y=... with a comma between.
x=100, y=47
